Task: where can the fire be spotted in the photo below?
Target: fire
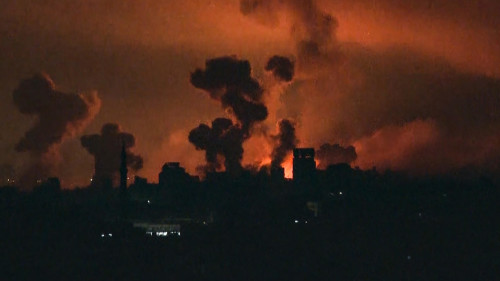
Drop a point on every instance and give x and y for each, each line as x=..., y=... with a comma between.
x=266, y=161
x=288, y=166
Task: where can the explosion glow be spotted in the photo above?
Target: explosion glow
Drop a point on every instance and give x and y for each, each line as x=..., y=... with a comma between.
x=368, y=75
x=288, y=166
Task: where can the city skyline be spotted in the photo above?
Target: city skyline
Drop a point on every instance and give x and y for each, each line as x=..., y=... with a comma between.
x=249, y=140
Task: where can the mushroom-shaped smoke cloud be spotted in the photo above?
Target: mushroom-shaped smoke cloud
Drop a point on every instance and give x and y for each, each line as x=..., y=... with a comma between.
x=59, y=116
x=106, y=149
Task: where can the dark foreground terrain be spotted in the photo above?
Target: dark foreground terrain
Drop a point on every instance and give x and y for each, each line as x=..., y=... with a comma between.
x=330, y=252
x=432, y=233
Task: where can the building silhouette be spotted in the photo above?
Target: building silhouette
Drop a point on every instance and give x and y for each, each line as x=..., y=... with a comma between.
x=172, y=175
x=304, y=165
x=277, y=174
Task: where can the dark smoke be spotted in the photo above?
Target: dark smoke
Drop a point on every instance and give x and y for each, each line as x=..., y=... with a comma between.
x=224, y=139
x=228, y=80
x=312, y=29
x=281, y=67
x=59, y=115
x=285, y=142
x=331, y=154
x=106, y=149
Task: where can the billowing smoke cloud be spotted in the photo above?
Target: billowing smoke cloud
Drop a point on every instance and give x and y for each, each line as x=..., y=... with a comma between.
x=377, y=99
x=228, y=80
x=331, y=154
x=224, y=139
x=281, y=67
x=285, y=142
x=106, y=149
x=312, y=29
x=59, y=115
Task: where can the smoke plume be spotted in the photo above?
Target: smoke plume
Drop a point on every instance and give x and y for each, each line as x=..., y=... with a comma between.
x=312, y=29
x=106, y=149
x=331, y=154
x=224, y=139
x=281, y=67
x=58, y=116
x=228, y=80
x=285, y=142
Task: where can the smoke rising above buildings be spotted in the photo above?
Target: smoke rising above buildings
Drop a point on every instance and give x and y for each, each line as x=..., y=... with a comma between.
x=284, y=142
x=222, y=139
x=106, y=149
x=331, y=154
x=378, y=87
x=58, y=116
x=228, y=80
x=355, y=95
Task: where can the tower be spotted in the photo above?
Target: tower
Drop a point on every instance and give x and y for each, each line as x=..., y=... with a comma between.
x=123, y=169
x=305, y=178
x=304, y=166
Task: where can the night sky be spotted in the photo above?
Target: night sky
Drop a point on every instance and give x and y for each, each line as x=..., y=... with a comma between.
x=411, y=85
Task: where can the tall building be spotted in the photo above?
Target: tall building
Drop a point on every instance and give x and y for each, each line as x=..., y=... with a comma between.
x=304, y=166
x=123, y=169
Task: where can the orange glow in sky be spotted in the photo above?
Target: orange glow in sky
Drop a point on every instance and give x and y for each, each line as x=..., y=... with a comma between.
x=410, y=76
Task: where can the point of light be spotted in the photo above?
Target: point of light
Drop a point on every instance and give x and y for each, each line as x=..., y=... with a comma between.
x=165, y=233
